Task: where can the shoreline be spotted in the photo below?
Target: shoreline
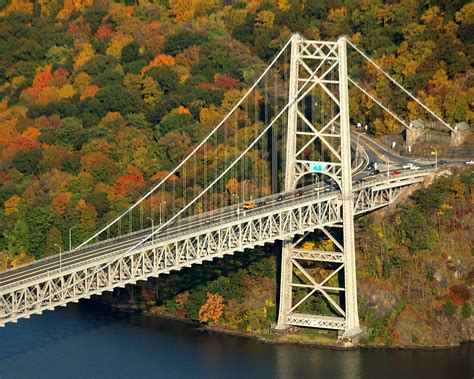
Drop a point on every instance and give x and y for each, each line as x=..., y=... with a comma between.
x=279, y=338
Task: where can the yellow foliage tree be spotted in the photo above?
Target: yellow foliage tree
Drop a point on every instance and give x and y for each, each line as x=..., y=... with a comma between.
x=117, y=43
x=18, y=6
x=71, y=6
x=265, y=19
x=181, y=10
x=150, y=91
x=283, y=5
x=458, y=187
x=210, y=116
x=88, y=215
x=11, y=205
x=82, y=81
x=230, y=99
x=466, y=14
x=86, y=53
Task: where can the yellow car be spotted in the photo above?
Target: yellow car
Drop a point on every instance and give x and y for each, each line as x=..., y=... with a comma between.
x=249, y=205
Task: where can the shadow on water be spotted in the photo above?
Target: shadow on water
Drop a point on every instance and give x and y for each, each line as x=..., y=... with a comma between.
x=89, y=341
x=29, y=335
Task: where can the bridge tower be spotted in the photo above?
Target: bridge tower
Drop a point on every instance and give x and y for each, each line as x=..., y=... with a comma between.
x=322, y=67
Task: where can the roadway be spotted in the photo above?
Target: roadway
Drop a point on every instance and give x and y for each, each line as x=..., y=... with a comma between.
x=120, y=244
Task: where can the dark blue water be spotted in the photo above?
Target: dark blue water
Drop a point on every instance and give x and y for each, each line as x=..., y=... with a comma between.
x=87, y=341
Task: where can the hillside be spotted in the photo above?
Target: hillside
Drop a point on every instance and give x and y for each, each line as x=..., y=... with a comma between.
x=99, y=99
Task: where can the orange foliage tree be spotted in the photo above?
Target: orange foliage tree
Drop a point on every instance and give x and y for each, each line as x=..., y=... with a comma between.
x=89, y=91
x=212, y=309
x=160, y=60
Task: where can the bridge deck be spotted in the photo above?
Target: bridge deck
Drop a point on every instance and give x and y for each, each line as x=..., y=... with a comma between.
x=100, y=267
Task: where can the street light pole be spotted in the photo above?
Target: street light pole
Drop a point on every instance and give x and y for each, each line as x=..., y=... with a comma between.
x=436, y=157
x=317, y=184
x=243, y=190
x=237, y=196
x=60, y=251
x=238, y=209
x=164, y=202
x=70, y=237
x=152, y=228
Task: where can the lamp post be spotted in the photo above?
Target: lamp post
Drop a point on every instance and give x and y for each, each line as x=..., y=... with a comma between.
x=60, y=251
x=243, y=190
x=152, y=228
x=436, y=156
x=238, y=202
x=164, y=202
x=70, y=237
x=317, y=184
x=237, y=196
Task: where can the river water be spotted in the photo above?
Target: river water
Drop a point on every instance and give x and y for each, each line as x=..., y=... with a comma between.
x=87, y=341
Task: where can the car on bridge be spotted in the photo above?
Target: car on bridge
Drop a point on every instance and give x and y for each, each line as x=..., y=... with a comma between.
x=408, y=166
x=280, y=198
x=396, y=172
x=260, y=203
x=299, y=193
x=249, y=205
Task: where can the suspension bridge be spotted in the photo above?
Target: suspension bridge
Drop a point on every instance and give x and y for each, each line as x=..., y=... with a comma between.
x=279, y=166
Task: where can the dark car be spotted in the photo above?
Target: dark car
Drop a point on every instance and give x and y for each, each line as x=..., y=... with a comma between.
x=299, y=193
x=280, y=197
x=260, y=203
x=442, y=162
x=375, y=172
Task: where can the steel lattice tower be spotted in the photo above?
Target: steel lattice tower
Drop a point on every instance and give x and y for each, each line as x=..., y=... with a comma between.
x=320, y=66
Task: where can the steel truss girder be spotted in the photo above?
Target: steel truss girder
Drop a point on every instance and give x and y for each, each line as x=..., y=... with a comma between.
x=173, y=252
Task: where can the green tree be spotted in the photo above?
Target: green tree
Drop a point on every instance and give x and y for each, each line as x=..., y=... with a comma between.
x=28, y=161
x=114, y=98
x=69, y=132
x=39, y=219
x=182, y=40
x=449, y=308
